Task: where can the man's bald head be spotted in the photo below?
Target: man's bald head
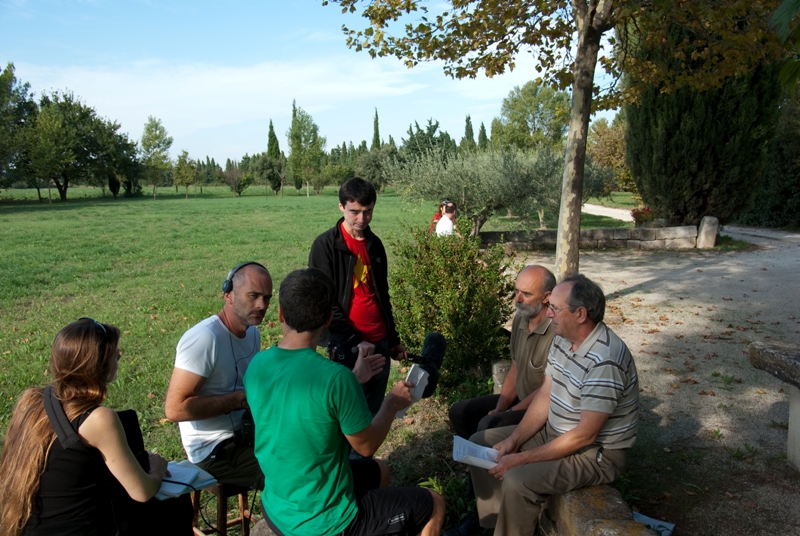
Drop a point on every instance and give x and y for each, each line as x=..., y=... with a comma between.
x=533, y=287
x=249, y=270
x=248, y=301
x=535, y=272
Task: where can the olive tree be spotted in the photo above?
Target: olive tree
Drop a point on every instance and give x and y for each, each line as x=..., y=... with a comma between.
x=481, y=183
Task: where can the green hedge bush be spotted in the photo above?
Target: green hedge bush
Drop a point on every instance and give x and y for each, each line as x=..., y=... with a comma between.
x=450, y=285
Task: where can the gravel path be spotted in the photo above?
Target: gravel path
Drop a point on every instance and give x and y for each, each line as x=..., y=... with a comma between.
x=600, y=210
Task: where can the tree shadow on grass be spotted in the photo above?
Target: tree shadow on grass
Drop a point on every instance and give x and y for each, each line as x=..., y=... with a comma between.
x=26, y=206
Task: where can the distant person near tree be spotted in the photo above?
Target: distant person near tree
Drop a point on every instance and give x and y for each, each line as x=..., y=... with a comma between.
x=436, y=217
x=362, y=333
x=447, y=223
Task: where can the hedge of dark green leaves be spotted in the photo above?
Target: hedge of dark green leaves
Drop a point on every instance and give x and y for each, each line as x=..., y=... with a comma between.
x=449, y=285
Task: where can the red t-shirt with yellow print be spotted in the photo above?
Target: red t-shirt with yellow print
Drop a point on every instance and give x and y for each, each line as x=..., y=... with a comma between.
x=365, y=313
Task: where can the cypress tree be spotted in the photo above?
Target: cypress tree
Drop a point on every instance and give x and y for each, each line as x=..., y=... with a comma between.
x=376, y=135
x=483, y=139
x=694, y=154
x=468, y=141
x=273, y=150
x=778, y=202
x=295, y=145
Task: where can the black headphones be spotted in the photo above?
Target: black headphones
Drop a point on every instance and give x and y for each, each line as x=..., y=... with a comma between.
x=227, y=285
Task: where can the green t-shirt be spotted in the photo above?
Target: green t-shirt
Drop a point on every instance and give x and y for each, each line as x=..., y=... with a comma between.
x=303, y=405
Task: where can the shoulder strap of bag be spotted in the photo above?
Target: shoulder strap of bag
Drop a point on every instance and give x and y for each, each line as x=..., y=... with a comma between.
x=65, y=430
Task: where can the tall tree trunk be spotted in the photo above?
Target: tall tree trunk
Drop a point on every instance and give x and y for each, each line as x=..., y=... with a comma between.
x=540, y=211
x=477, y=223
x=62, y=188
x=590, y=29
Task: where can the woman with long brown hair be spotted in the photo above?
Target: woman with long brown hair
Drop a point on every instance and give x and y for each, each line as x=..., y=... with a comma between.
x=56, y=476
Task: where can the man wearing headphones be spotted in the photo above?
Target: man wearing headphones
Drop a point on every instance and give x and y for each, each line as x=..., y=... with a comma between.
x=206, y=394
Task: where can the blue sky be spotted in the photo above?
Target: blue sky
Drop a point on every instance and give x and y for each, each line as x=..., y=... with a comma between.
x=216, y=72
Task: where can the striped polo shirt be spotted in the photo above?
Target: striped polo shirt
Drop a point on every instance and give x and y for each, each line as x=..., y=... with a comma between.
x=599, y=376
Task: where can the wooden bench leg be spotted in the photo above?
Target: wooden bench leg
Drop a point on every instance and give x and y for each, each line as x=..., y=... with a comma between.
x=196, y=505
x=244, y=514
x=222, y=513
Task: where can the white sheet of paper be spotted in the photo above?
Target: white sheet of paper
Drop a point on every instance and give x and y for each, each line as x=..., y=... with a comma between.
x=661, y=527
x=465, y=451
x=178, y=473
x=184, y=472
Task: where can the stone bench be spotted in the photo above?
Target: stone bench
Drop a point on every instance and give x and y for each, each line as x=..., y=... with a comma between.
x=783, y=361
x=594, y=511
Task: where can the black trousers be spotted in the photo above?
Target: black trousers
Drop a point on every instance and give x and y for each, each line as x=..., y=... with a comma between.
x=470, y=416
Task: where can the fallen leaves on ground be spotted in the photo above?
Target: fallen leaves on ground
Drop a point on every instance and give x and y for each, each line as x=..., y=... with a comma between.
x=661, y=499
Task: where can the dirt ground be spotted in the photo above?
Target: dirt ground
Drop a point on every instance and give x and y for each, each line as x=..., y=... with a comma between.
x=711, y=454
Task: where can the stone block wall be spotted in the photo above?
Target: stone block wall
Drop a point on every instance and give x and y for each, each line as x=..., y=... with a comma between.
x=684, y=237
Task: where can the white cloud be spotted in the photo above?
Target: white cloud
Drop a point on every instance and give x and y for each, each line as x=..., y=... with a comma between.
x=224, y=111
x=199, y=96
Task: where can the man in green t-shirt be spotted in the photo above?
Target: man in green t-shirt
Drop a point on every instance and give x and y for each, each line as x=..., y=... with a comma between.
x=308, y=413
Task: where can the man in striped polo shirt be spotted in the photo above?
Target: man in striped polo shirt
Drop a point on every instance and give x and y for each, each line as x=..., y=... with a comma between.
x=579, y=425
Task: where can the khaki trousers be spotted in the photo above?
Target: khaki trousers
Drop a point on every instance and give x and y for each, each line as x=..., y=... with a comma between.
x=512, y=505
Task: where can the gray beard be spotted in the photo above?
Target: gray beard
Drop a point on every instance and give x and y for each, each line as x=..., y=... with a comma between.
x=528, y=311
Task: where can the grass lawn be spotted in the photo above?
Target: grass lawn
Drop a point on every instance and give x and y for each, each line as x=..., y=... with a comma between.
x=154, y=268
x=616, y=200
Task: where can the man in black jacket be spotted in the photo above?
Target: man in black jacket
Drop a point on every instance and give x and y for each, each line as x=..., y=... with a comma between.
x=363, y=332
